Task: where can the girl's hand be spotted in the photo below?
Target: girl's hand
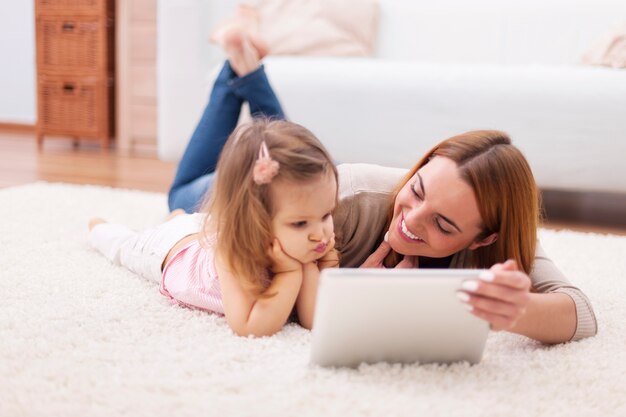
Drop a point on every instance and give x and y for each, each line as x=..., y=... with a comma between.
x=500, y=296
x=375, y=260
x=281, y=262
x=331, y=258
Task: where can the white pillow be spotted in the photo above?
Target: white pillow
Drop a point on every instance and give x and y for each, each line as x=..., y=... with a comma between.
x=609, y=51
x=312, y=27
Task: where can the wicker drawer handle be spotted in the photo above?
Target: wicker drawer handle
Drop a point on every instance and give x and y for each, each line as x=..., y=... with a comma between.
x=68, y=26
x=68, y=88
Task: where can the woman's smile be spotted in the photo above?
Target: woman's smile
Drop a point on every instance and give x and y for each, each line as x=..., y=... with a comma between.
x=406, y=233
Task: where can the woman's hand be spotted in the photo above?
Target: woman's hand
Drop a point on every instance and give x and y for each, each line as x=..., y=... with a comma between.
x=375, y=260
x=281, y=262
x=500, y=296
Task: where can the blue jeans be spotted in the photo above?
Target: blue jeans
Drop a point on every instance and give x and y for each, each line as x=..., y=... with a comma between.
x=196, y=170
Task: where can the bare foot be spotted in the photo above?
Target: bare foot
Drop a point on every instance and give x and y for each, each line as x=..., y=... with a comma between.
x=174, y=213
x=245, y=20
x=95, y=221
x=259, y=44
x=242, y=55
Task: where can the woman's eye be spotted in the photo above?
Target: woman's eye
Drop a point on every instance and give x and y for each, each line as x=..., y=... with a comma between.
x=299, y=224
x=326, y=216
x=415, y=192
x=441, y=229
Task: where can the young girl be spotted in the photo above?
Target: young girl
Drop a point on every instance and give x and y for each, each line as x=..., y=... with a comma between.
x=256, y=248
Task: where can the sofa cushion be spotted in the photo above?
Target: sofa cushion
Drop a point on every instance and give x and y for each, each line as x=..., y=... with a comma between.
x=507, y=32
x=304, y=27
x=609, y=51
x=569, y=121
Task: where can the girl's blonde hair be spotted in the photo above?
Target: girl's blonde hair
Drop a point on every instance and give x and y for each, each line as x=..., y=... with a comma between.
x=240, y=210
x=507, y=195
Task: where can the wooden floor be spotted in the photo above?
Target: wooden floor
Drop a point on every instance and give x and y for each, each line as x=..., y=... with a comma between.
x=61, y=161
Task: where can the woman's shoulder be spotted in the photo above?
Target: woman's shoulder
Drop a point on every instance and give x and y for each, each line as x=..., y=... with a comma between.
x=368, y=178
x=364, y=197
x=365, y=191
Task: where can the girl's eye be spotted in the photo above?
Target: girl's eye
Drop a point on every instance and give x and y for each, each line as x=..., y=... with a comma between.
x=441, y=229
x=326, y=216
x=299, y=224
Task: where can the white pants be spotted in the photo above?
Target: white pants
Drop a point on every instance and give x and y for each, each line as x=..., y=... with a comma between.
x=143, y=252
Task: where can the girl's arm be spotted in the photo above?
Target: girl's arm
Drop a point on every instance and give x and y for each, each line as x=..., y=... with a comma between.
x=258, y=316
x=305, y=304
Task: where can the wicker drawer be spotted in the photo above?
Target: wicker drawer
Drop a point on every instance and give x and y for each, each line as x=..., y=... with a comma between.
x=70, y=45
x=71, y=105
x=75, y=67
x=76, y=6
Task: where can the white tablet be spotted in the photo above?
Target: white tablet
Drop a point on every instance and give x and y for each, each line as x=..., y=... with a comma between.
x=394, y=315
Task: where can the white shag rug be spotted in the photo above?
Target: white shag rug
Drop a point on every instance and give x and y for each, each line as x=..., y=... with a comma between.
x=81, y=337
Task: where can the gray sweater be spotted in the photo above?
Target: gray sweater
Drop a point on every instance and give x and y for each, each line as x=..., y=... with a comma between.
x=364, y=196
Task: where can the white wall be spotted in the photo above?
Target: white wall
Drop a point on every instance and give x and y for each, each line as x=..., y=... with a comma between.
x=184, y=59
x=17, y=68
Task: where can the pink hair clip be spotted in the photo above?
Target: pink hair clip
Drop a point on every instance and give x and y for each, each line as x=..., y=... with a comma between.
x=265, y=168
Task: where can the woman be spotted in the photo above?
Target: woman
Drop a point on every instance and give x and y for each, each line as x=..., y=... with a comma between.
x=471, y=202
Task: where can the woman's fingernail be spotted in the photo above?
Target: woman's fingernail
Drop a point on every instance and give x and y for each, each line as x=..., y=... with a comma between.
x=462, y=296
x=487, y=276
x=468, y=307
x=470, y=286
x=386, y=237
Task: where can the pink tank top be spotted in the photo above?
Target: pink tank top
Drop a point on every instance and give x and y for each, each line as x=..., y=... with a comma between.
x=190, y=279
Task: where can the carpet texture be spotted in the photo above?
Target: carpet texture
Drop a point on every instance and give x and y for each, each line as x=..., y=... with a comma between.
x=79, y=336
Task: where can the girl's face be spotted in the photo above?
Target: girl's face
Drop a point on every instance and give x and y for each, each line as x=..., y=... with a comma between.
x=302, y=222
x=436, y=213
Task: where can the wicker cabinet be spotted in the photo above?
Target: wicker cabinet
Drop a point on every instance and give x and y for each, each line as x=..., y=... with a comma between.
x=75, y=68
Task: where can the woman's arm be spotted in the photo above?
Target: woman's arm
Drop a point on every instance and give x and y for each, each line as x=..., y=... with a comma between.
x=259, y=316
x=549, y=318
x=502, y=298
x=547, y=278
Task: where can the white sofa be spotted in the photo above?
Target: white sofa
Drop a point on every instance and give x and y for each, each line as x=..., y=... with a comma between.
x=441, y=68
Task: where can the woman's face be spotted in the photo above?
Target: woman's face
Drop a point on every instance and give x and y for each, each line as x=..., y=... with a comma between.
x=435, y=214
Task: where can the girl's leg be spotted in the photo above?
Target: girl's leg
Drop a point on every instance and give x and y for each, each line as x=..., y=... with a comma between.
x=189, y=197
x=142, y=252
x=255, y=88
x=245, y=52
x=108, y=238
x=123, y=246
x=200, y=158
x=195, y=173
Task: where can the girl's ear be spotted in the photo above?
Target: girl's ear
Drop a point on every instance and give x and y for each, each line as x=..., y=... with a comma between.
x=484, y=242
